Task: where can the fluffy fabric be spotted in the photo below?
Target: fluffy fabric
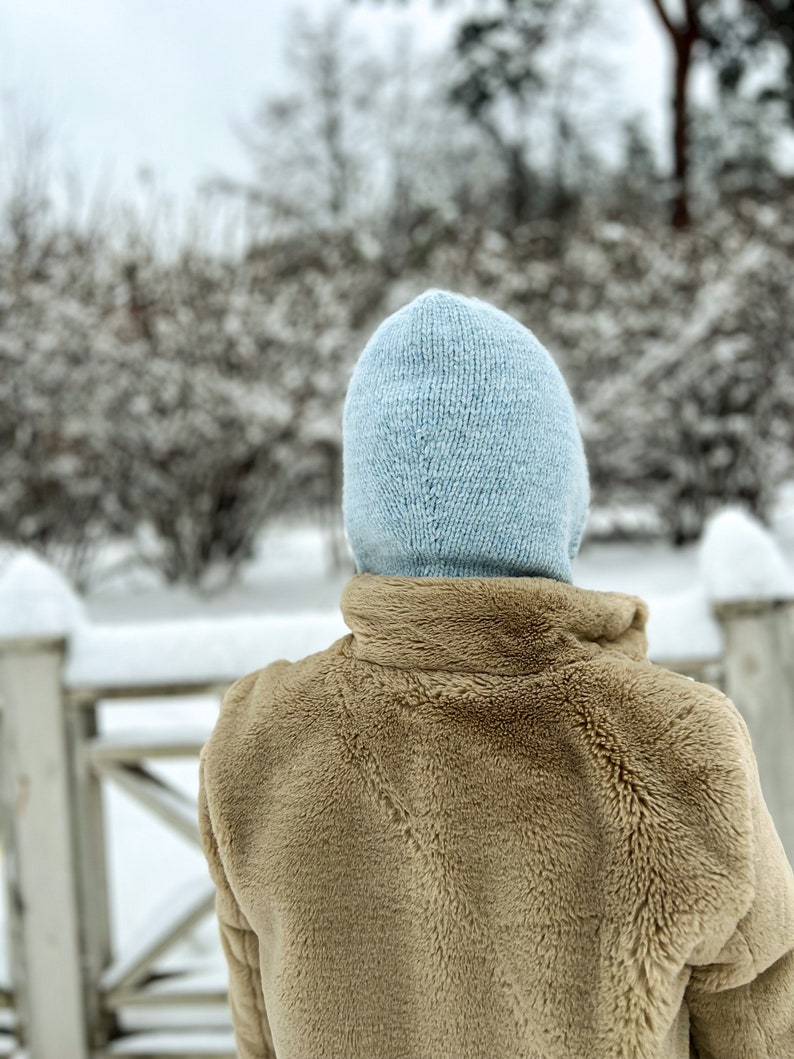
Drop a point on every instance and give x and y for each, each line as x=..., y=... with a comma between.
x=483, y=825
x=462, y=453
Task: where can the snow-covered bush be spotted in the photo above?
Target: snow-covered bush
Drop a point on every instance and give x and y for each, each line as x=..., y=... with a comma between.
x=180, y=403
x=229, y=415
x=686, y=376
x=56, y=492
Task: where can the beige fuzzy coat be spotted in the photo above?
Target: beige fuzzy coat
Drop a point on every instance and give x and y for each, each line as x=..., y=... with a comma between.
x=483, y=825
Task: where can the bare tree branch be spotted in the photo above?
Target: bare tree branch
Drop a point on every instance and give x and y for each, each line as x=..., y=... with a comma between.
x=669, y=25
x=693, y=18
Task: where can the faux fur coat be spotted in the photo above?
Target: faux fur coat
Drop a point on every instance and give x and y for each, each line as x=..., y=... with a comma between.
x=483, y=825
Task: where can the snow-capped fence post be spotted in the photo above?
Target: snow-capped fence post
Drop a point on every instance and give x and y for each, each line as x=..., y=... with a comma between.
x=36, y=611
x=751, y=589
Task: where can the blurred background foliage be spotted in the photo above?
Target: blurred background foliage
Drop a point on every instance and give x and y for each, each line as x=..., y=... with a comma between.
x=180, y=394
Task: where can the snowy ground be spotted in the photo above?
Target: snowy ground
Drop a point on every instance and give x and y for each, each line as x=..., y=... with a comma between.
x=291, y=578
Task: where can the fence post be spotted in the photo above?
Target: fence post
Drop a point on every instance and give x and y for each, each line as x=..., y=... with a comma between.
x=759, y=677
x=751, y=588
x=92, y=882
x=43, y=909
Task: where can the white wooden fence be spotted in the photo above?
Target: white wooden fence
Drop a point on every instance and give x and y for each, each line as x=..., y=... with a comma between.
x=74, y=993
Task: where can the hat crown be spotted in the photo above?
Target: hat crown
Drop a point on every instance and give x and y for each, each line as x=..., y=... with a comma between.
x=462, y=454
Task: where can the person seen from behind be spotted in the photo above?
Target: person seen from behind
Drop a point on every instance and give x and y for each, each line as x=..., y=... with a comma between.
x=483, y=824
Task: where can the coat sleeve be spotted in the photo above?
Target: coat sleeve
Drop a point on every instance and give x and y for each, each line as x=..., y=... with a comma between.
x=240, y=947
x=741, y=1004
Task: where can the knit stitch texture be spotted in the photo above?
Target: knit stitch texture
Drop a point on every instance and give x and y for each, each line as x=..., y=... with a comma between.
x=462, y=452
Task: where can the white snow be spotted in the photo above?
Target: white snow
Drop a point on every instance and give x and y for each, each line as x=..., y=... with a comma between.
x=740, y=559
x=213, y=1042
x=196, y=651
x=182, y=904
x=680, y=623
x=36, y=600
x=736, y=558
x=681, y=626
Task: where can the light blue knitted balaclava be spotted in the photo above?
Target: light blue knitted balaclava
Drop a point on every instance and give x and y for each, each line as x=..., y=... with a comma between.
x=462, y=454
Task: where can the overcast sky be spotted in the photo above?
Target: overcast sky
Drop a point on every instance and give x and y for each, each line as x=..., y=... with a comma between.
x=158, y=83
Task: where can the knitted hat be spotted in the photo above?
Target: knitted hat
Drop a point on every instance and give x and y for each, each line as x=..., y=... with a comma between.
x=462, y=454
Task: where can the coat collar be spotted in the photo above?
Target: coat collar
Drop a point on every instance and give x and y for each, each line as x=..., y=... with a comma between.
x=509, y=625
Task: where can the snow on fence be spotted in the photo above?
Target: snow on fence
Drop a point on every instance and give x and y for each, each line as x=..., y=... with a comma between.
x=75, y=992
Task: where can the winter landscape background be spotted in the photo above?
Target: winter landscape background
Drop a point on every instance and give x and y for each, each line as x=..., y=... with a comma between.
x=173, y=379
x=173, y=366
